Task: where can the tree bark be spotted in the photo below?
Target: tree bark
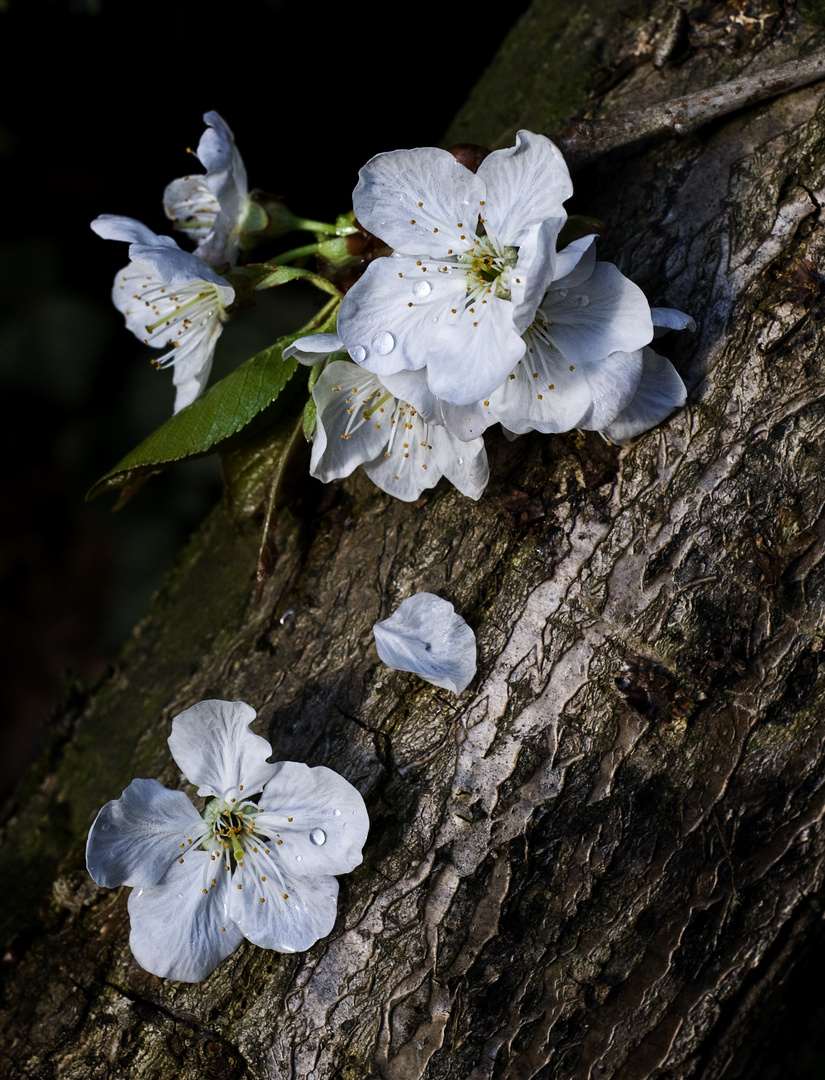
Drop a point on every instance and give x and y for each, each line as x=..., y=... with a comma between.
x=605, y=858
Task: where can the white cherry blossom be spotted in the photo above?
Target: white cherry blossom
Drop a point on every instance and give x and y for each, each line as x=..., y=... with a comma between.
x=247, y=867
x=211, y=208
x=363, y=420
x=474, y=255
x=427, y=636
x=583, y=356
x=171, y=300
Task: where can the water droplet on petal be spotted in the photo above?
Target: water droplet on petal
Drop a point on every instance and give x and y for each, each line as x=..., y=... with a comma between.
x=337, y=813
x=358, y=353
x=422, y=289
x=104, y=827
x=461, y=461
x=582, y=301
x=383, y=343
x=318, y=837
x=180, y=896
x=298, y=858
x=562, y=293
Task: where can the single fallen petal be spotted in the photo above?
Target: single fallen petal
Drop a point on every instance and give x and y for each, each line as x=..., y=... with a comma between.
x=425, y=635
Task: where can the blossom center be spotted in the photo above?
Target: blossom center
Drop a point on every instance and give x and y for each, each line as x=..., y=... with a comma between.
x=232, y=827
x=487, y=265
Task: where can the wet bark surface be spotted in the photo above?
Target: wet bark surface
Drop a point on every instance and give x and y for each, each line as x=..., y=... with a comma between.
x=605, y=858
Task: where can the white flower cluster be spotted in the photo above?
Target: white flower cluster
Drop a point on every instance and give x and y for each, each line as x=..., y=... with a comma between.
x=477, y=318
x=173, y=299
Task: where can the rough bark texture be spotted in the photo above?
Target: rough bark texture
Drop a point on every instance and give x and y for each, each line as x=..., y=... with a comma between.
x=606, y=857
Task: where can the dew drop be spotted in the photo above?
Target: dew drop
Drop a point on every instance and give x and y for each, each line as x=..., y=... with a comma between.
x=358, y=353
x=562, y=293
x=318, y=837
x=298, y=858
x=461, y=461
x=337, y=813
x=383, y=343
x=105, y=828
x=422, y=289
x=180, y=896
x=582, y=301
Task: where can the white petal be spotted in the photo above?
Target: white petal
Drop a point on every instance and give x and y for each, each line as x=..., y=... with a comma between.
x=226, y=179
x=541, y=393
x=425, y=635
x=212, y=744
x=115, y=227
x=472, y=357
x=226, y=173
x=190, y=204
x=178, y=930
x=466, y=422
x=161, y=254
x=659, y=392
x=411, y=387
x=665, y=319
x=188, y=387
x=418, y=201
x=606, y=313
x=612, y=383
x=318, y=816
x=135, y=839
x=344, y=439
x=392, y=316
x=575, y=263
x=533, y=274
x=282, y=912
x=463, y=462
x=424, y=454
x=526, y=184
x=176, y=267
x=314, y=348
x=193, y=357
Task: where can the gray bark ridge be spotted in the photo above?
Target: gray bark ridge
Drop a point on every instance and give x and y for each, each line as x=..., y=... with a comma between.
x=605, y=857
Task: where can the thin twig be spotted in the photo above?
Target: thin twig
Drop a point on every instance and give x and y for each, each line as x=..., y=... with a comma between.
x=585, y=140
x=267, y=553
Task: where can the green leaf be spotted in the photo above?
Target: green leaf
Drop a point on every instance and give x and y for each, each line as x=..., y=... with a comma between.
x=310, y=419
x=222, y=411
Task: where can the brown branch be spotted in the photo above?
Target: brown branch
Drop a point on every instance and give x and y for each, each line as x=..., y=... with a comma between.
x=585, y=140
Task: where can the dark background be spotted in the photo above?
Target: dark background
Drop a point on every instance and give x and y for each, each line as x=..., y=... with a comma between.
x=98, y=102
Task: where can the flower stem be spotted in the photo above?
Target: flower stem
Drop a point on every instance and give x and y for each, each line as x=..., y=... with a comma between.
x=297, y=253
x=323, y=227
